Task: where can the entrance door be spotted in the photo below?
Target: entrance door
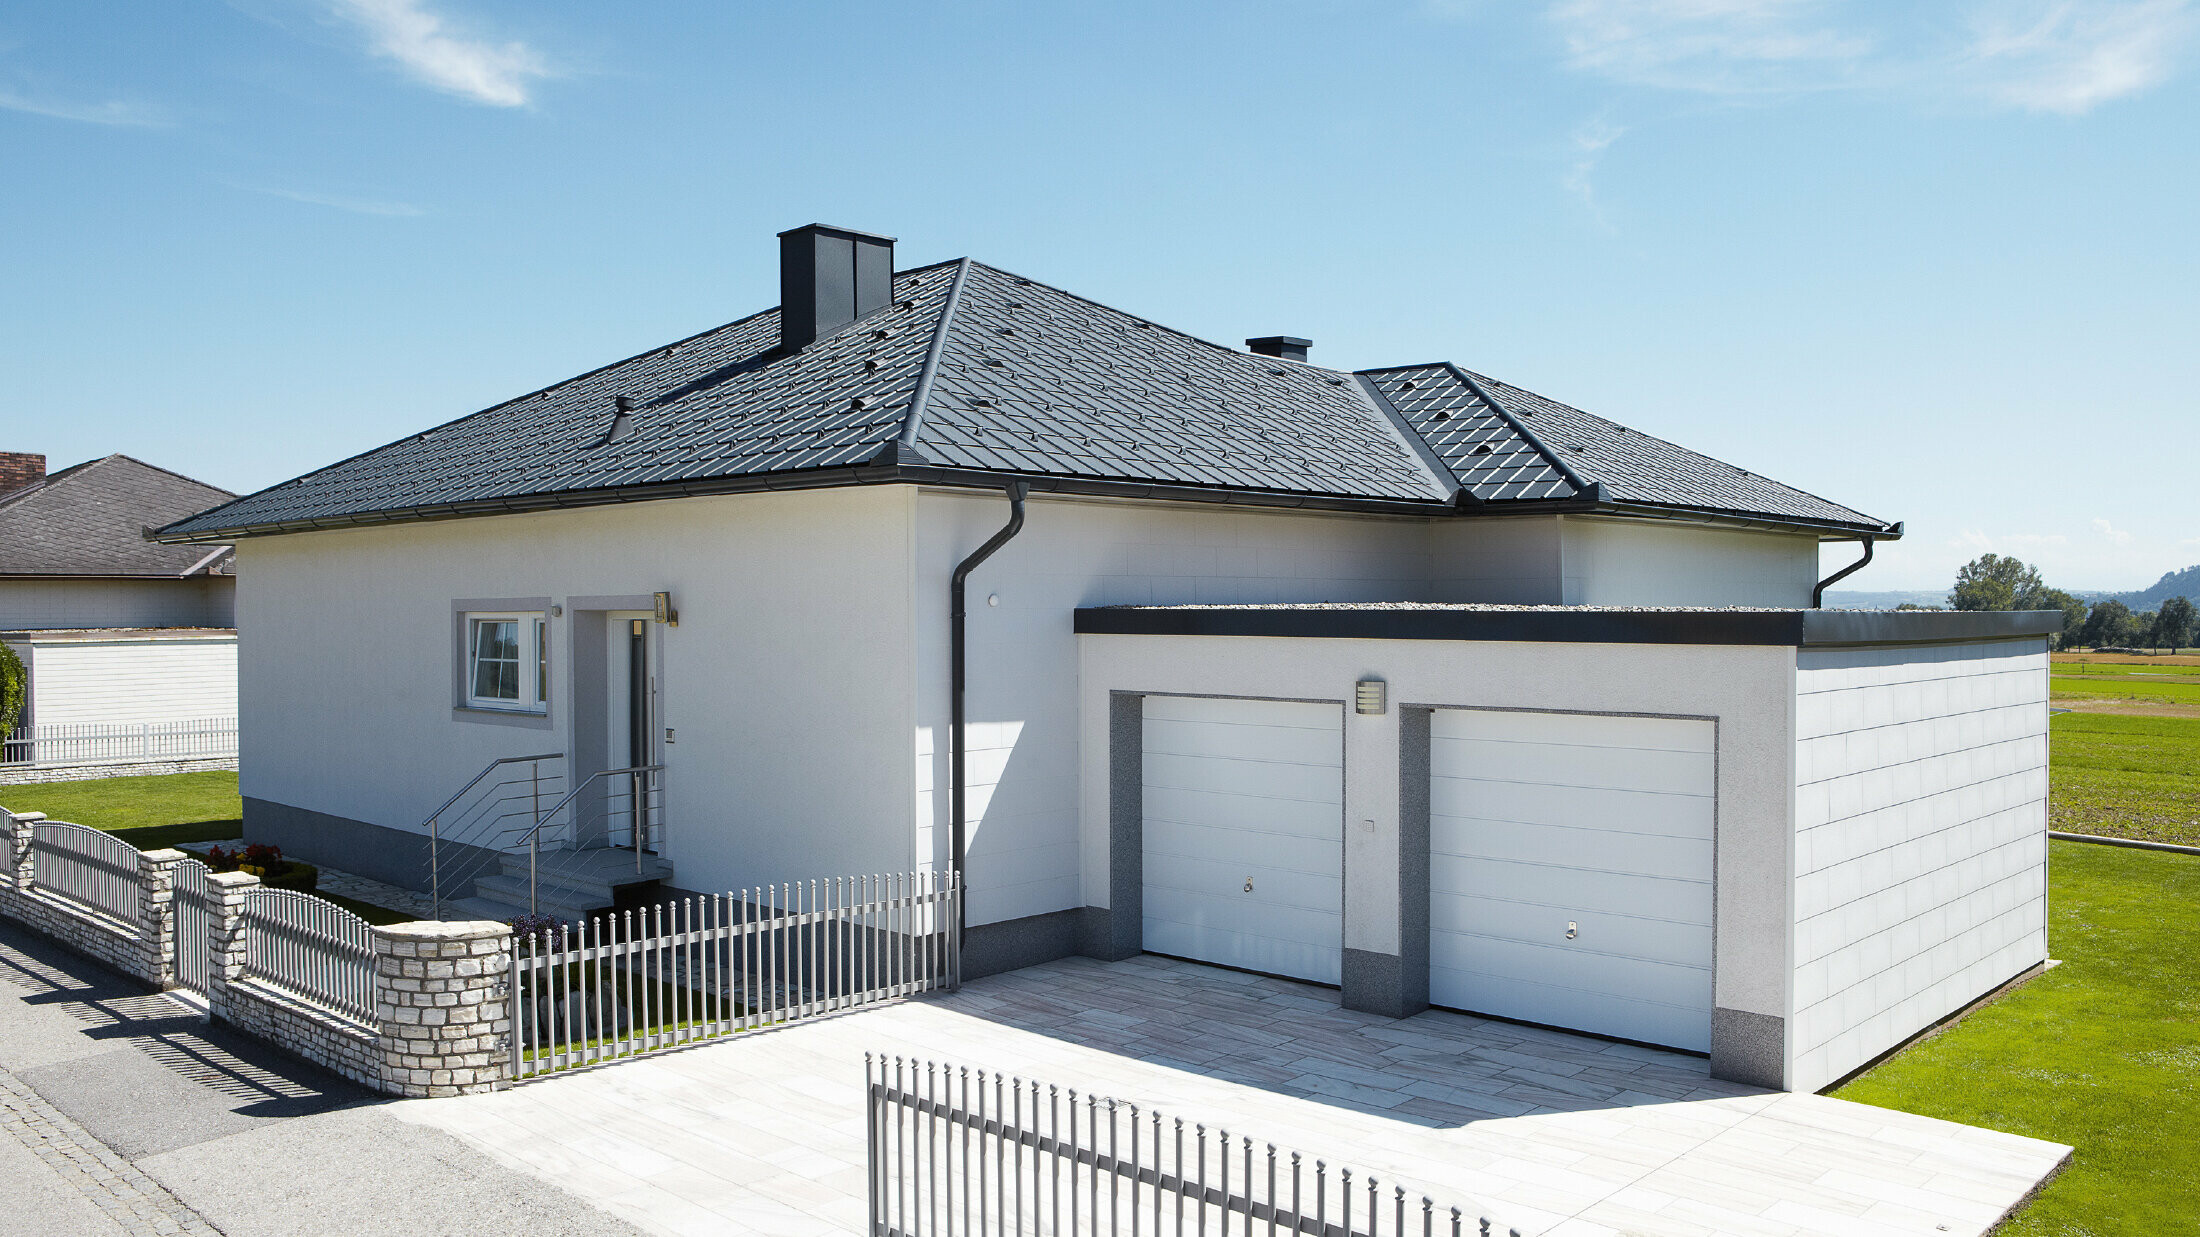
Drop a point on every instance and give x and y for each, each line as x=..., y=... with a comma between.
x=630, y=696
x=1570, y=871
x=1244, y=834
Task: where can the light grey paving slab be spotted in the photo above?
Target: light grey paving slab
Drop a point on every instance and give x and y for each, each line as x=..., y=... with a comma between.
x=1554, y=1134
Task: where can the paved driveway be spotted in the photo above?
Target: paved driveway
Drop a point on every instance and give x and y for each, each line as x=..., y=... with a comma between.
x=1553, y=1133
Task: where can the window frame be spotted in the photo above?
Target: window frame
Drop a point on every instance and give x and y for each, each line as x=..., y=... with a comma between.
x=531, y=661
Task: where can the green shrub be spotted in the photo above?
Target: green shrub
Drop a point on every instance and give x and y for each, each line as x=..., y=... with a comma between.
x=15, y=685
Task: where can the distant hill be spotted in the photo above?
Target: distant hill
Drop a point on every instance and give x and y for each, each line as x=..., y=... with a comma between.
x=2184, y=583
x=1840, y=599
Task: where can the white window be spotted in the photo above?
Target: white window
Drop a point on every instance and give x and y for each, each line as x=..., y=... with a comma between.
x=508, y=662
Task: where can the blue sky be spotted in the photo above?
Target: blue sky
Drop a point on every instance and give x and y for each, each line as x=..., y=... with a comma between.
x=1937, y=262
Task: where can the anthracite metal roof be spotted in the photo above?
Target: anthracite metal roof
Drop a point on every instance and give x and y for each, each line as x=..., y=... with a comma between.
x=973, y=375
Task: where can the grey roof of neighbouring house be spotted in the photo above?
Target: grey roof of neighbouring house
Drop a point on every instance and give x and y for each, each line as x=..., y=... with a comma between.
x=90, y=520
x=974, y=375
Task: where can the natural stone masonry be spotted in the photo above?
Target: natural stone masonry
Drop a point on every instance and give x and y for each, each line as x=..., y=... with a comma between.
x=442, y=997
x=442, y=1023
x=136, y=768
x=134, y=1201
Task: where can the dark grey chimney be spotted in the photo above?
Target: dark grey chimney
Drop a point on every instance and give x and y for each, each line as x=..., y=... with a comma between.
x=830, y=277
x=1283, y=347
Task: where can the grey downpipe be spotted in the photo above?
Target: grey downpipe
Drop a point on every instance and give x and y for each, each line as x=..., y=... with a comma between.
x=1818, y=594
x=956, y=663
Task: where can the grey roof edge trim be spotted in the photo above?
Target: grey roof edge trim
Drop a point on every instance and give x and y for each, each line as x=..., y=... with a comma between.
x=160, y=534
x=811, y=479
x=1546, y=625
x=1574, y=476
x=1730, y=518
x=913, y=422
x=1446, y=480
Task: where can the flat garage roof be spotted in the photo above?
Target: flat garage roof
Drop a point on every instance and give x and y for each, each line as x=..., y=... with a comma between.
x=1404, y=620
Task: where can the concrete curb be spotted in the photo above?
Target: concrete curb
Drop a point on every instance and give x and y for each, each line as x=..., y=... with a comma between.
x=2133, y=843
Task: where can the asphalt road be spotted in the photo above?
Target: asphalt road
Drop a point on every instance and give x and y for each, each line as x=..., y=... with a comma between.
x=123, y=1114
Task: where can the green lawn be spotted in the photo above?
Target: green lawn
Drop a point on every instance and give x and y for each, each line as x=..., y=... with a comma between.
x=152, y=812
x=2130, y=777
x=2102, y=1053
x=2161, y=688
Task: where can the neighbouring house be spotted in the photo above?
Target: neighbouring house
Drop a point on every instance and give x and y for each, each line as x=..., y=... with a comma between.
x=123, y=637
x=1407, y=680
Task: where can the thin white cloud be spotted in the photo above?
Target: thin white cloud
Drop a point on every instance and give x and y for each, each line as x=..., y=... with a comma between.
x=429, y=48
x=1710, y=46
x=1590, y=140
x=2115, y=535
x=357, y=206
x=2065, y=56
x=112, y=112
x=2072, y=55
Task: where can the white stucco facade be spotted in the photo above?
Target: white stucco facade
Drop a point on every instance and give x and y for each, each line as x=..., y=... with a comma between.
x=28, y=602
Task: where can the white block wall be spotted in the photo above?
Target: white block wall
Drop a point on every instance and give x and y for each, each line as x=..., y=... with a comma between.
x=131, y=681
x=1921, y=843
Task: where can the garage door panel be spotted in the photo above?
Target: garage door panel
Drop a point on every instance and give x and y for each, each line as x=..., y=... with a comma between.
x=1244, y=741
x=1541, y=820
x=1656, y=1022
x=1231, y=711
x=1236, y=790
x=1646, y=854
x=1678, y=734
x=1287, y=861
x=1255, y=779
x=1305, y=818
x=1550, y=764
x=1631, y=893
x=1653, y=940
x=1527, y=803
x=1231, y=911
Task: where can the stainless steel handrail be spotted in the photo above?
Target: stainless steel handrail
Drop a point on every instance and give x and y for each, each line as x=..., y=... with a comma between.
x=533, y=837
x=435, y=866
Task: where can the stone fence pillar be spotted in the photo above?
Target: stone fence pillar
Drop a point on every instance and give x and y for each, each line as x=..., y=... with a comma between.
x=225, y=939
x=442, y=1003
x=156, y=927
x=19, y=848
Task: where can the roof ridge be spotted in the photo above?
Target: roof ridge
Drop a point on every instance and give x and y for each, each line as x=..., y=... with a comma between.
x=1583, y=486
x=1159, y=326
x=913, y=421
x=1402, y=427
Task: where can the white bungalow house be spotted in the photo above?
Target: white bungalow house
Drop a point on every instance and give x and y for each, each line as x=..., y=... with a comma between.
x=129, y=644
x=1406, y=681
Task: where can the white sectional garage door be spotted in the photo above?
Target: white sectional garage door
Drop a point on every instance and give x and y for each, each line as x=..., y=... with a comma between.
x=1238, y=793
x=1541, y=821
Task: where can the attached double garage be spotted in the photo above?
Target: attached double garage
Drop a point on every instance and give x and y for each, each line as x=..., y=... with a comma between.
x=1788, y=839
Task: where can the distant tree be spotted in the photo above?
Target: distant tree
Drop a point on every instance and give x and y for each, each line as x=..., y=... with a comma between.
x=1995, y=582
x=2173, y=624
x=2109, y=623
x=2073, y=613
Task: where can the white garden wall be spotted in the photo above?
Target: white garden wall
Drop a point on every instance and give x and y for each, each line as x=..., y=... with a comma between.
x=128, y=680
x=1920, y=846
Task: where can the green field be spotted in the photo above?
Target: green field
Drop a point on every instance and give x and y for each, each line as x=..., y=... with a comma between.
x=2126, y=777
x=2167, y=689
x=2101, y=1053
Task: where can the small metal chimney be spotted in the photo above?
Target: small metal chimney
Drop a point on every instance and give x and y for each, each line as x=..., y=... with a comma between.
x=830, y=277
x=1282, y=347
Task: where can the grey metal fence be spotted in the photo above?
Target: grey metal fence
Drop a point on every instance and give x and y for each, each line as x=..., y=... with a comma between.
x=194, y=906
x=98, y=870
x=959, y=1150
x=640, y=981
x=311, y=948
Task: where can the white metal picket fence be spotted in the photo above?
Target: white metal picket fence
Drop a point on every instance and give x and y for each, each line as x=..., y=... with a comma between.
x=309, y=947
x=88, y=742
x=84, y=865
x=959, y=1150
x=639, y=981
